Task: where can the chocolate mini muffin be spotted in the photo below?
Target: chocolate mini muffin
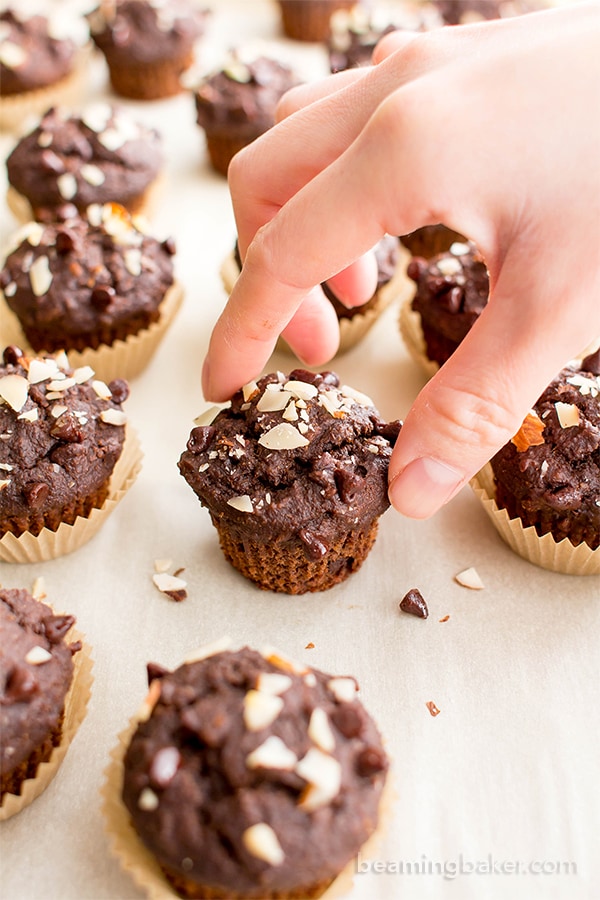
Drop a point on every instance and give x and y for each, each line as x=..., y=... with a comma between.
x=548, y=475
x=254, y=776
x=62, y=433
x=36, y=671
x=452, y=291
x=309, y=20
x=237, y=104
x=431, y=240
x=147, y=44
x=69, y=162
x=294, y=475
x=87, y=281
x=39, y=62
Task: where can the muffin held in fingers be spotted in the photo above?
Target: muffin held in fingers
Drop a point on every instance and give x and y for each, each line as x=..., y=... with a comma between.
x=294, y=475
x=147, y=44
x=253, y=776
x=71, y=161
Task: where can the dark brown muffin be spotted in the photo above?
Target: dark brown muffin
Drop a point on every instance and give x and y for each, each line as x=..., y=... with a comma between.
x=69, y=162
x=431, y=240
x=463, y=12
x=452, y=291
x=548, y=475
x=62, y=433
x=309, y=20
x=36, y=670
x=30, y=56
x=254, y=776
x=237, y=104
x=86, y=281
x=294, y=475
x=147, y=45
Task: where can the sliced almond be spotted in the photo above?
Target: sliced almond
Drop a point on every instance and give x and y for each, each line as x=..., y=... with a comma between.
x=469, y=578
x=102, y=390
x=67, y=185
x=147, y=800
x=272, y=754
x=208, y=416
x=92, y=174
x=356, y=396
x=165, y=582
x=319, y=730
x=273, y=683
x=37, y=656
x=40, y=276
x=250, y=390
x=343, y=689
x=243, y=503
x=272, y=401
x=568, y=414
x=530, y=432
x=260, y=709
x=324, y=776
x=30, y=416
x=41, y=370
x=113, y=417
x=283, y=437
x=162, y=565
x=261, y=841
x=83, y=374
x=302, y=390
x=14, y=390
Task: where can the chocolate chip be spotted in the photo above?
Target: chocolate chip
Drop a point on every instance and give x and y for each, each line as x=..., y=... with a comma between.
x=35, y=494
x=55, y=627
x=75, y=647
x=370, y=761
x=169, y=247
x=21, y=685
x=416, y=268
x=12, y=354
x=452, y=299
x=177, y=596
x=414, y=604
x=390, y=431
x=155, y=671
x=347, y=484
x=315, y=549
x=38, y=396
x=64, y=242
x=200, y=438
x=67, y=430
x=348, y=720
x=102, y=296
x=304, y=375
x=591, y=363
x=119, y=389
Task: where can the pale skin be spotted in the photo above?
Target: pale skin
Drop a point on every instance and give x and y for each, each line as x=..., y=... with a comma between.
x=493, y=129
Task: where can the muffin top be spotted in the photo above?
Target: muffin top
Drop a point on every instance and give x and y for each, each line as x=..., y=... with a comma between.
x=146, y=31
x=452, y=289
x=71, y=161
x=61, y=433
x=296, y=456
x=243, y=95
x=553, y=462
x=254, y=774
x=73, y=278
x=34, y=52
x=36, y=669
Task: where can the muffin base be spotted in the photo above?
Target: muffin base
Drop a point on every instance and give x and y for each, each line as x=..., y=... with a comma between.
x=150, y=81
x=51, y=520
x=308, y=20
x=192, y=891
x=222, y=148
x=12, y=781
x=288, y=570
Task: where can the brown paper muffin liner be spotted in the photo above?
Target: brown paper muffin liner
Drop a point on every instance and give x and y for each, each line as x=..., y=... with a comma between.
x=354, y=329
x=76, y=703
x=542, y=551
x=121, y=359
x=412, y=335
x=51, y=544
x=308, y=20
x=223, y=147
x=143, y=204
x=142, y=866
x=150, y=81
x=17, y=109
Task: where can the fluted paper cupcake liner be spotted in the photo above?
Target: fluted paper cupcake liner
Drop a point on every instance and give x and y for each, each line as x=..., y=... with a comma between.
x=412, y=335
x=545, y=551
x=121, y=359
x=142, y=866
x=29, y=548
x=76, y=703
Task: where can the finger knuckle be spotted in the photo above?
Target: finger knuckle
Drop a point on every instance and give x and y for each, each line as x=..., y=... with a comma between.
x=466, y=417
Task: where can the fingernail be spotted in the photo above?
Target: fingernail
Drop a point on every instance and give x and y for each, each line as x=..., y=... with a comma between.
x=423, y=486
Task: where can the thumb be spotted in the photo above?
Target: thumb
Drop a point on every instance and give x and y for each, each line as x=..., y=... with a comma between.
x=479, y=398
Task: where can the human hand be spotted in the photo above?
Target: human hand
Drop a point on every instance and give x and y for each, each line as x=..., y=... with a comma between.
x=491, y=129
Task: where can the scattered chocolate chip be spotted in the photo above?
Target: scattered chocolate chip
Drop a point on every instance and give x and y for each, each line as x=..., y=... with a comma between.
x=119, y=389
x=414, y=604
x=12, y=354
x=370, y=761
x=36, y=494
x=38, y=396
x=67, y=430
x=347, y=484
x=305, y=375
x=64, y=242
x=55, y=627
x=102, y=296
x=347, y=720
x=432, y=708
x=155, y=671
x=390, y=431
x=200, y=438
x=315, y=549
x=591, y=363
x=169, y=247
x=21, y=685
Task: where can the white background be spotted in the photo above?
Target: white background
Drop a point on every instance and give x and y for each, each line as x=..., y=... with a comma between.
x=508, y=768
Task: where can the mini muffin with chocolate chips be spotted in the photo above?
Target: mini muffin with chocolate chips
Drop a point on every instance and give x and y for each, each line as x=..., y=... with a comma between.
x=71, y=161
x=36, y=671
x=237, y=104
x=253, y=776
x=147, y=44
x=61, y=435
x=89, y=282
x=452, y=291
x=40, y=63
x=294, y=475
